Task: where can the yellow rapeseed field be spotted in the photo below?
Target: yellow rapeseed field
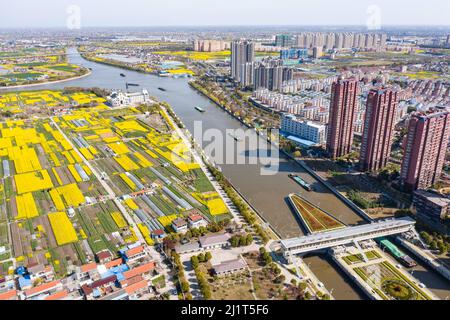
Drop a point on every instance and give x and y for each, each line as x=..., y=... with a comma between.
x=33, y=181
x=62, y=228
x=26, y=207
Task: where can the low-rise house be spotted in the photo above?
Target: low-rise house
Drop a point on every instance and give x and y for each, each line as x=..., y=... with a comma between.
x=39, y=271
x=25, y=282
x=134, y=255
x=87, y=273
x=146, y=271
x=60, y=295
x=188, y=248
x=104, y=256
x=9, y=295
x=113, y=263
x=46, y=288
x=196, y=220
x=116, y=295
x=132, y=280
x=158, y=234
x=99, y=288
x=215, y=241
x=7, y=284
x=136, y=290
x=229, y=267
x=179, y=225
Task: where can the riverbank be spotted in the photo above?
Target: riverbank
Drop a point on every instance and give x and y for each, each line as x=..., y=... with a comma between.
x=47, y=82
x=344, y=199
x=116, y=64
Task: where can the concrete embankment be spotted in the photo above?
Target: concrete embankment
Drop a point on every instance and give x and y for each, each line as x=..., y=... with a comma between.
x=426, y=258
x=361, y=285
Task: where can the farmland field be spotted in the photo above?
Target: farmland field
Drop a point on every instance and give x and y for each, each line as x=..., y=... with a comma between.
x=59, y=212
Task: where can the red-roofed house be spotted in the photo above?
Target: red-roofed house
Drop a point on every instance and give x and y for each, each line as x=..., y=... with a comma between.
x=196, y=220
x=60, y=295
x=102, y=287
x=158, y=234
x=135, y=254
x=136, y=290
x=130, y=281
x=113, y=263
x=145, y=270
x=104, y=256
x=9, y=295
x=49, y=287
x=87, y=273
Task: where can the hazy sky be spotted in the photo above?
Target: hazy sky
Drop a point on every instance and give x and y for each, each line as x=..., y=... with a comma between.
x=53, y=13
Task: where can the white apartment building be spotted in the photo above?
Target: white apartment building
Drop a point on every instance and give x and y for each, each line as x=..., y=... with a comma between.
x=307, y=130
x=120, y=98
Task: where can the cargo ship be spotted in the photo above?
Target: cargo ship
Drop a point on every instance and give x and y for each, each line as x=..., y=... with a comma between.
x=301, y=182
x=200, y=109
x=397, y=253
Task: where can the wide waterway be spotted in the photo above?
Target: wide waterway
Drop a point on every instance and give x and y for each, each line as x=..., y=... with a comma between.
x=267, y=193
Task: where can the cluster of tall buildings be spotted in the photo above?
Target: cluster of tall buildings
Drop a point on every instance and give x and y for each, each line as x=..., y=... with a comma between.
x=268, y=73
x=211, y=45
x=340, y=40
x=242, y=60
x=378, y=129
x=271, y=74
x=425, y=149
x=343, y=106
x=425, y=145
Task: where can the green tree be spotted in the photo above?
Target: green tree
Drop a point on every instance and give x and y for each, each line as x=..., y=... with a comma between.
x=194, y=262
x=208, y=256
x=184, y=286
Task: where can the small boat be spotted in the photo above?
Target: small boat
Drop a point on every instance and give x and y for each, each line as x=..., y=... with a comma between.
x=301, y=182
x=122, y=75
x=133, y=84
x=162, y=89
x=200, y=109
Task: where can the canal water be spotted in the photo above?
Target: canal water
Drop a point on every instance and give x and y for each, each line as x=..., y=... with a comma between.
x=267, y=193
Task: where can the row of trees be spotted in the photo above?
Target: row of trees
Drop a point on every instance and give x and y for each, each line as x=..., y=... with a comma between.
x=436, y=241
x=205, y=289
x=243, y=208
x=265, y=256
x=241, y=240
x=183, y=283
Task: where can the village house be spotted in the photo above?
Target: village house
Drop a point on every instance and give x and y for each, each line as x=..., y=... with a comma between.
x=215, y=241
x=179, y=225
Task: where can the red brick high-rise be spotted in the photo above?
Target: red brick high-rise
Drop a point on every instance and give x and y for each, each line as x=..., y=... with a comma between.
x=378, y=129
x=344, y=99
x=425, y=149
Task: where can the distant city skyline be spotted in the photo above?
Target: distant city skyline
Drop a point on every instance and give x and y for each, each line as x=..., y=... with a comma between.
x=139, y=13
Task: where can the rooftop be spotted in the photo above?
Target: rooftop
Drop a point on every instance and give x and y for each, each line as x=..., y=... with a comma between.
x=229, y=266
x=214, y=239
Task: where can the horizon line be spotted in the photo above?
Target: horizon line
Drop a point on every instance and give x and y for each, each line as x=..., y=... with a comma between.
x=231, y=25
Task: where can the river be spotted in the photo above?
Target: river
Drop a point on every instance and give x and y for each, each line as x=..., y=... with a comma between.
x=266, y=193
